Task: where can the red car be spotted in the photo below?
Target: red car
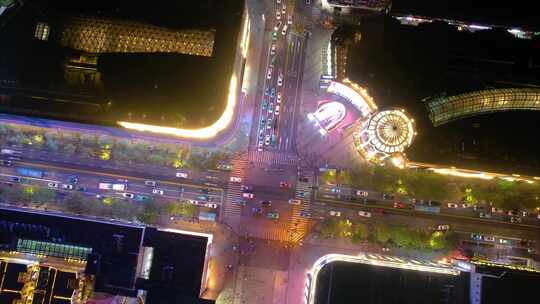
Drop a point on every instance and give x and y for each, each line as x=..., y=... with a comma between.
x=400, y=205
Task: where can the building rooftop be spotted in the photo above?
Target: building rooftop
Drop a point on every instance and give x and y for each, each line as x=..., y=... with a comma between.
x=110, y=61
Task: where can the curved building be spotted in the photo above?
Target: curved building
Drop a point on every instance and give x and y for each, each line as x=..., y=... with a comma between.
x=444, y=109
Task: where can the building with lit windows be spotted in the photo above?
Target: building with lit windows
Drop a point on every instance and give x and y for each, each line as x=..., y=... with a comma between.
x=185, y=59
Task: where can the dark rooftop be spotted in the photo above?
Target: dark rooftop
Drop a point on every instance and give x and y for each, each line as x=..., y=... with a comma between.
x=155, y=88
x=402, y=64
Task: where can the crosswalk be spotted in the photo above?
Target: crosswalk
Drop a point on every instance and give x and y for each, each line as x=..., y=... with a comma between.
x=273, y=158
x=234, y=193
x=299, y=224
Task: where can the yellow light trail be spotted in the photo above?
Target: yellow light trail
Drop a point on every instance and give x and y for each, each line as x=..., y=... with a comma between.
x=203, y=133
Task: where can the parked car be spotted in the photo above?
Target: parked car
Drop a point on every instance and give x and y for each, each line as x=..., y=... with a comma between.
x=52, y=185
x=248, y=195
x=267, y=204
x=387, y=196
x=295, y=202
x=211, y=205
x=504, y=241
x=256, y=210
x=240, y=202
x=304, y=213
x=443, y=227
x=362, y=193
x=235, y=179
x=150, y=183
x=484, y=215
x=452, y=205
x=18, y=180
x=128, y=195
x=400, y=205
x=512, y=213
x=465, y=205
x=478, y=208
x=284, y=184
x=477, y=237
x=489, y=238
x=272, y=215
x=497, y=210
x=245, y=188
x=514, y=219
x=157, y=191
x=181, y=174
x=67, y=186
x=335, y=213
x=364, y=213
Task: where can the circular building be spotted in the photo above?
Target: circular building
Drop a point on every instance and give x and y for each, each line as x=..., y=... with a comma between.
x=385, y=133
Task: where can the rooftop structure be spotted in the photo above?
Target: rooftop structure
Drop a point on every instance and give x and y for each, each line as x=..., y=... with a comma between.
x=100, y=35
x=444, y=109
x=56, y=258
x=372, y=5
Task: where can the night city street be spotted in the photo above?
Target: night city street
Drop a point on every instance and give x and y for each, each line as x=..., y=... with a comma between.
x=268, y=151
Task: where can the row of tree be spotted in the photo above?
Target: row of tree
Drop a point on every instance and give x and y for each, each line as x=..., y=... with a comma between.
x=389, y=235
x=148, y=211
x=427, y=185
x=110, y=148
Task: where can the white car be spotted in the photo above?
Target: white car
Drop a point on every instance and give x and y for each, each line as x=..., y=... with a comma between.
x=289, y=19
x=269, y=73
x=211, y=206
x=364, y=213
x=497, y=210
x=150, y=183
x=248, y=195
x=280, y=80
x=235, y=179
x=278, y=15
x=273, y=49
x=181, y=174
x=67, y=186
x=464, y=205
x=278, y=98
x=362, y=193
x=276, y=112
x=157, y=191
x=278, y=1
x=128, y=195
x=52, y=185
x=335, y=213
x=277, y=26
x=504, y=241
x=452, y=205
x=443, y=227
x=489, y=238
x=284, y=31
x=267, y=140
x=284, y=9
x=295, y=202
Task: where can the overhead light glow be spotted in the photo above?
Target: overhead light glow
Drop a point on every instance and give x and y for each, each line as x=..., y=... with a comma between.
x=204, y=133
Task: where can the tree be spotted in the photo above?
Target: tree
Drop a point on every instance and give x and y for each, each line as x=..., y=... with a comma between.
x=44, y=195
x=52, y=144
x=328, y=177
x=402, y=237
x=74, y=203
x=360, y=233
x=345, y=178
x=382, y=233
x=70, y=149
x=329, y=227
x=150, y=213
